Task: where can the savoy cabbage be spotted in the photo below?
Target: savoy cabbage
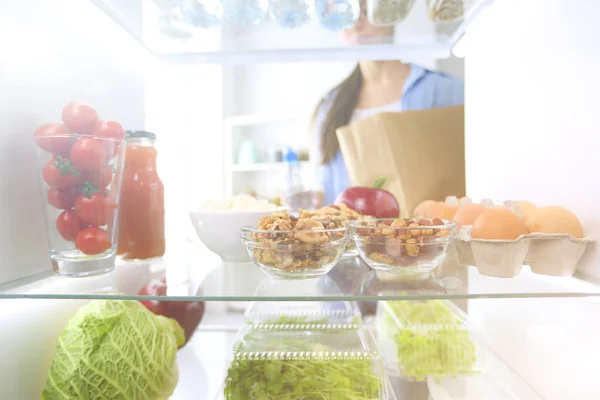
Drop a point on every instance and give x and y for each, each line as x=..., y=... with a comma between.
x=115, y=350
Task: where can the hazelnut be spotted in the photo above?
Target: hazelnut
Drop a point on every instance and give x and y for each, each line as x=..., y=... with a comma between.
x=399, y=223
x=412, y=248
x=382, y=258
x=401, y=261
x=393, y=246
x=363, y=231
x=437, y=222
x=427, y=232
x=442, y=233
x=414, y=232
x=403, y=234
x=424, y=242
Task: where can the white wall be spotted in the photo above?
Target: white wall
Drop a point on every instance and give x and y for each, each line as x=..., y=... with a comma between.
x=52, y=53
x=532, y=87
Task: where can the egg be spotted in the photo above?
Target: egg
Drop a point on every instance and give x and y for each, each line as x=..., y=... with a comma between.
x=449, y=212
x=422, y=208
x=554, y=219
x=468, y=213
x=527, y=208
x=439, y=209
x=498, y=223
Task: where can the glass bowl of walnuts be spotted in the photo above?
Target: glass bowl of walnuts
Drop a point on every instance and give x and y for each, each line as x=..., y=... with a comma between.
x=336, y=216
x=405, y=246
x=288, y=247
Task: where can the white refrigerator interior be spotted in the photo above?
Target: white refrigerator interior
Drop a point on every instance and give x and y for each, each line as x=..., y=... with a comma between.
x=531, y=107
x=531, y=79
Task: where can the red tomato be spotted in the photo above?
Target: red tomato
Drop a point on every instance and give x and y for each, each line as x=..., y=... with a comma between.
x=92, y=209
x=60, y=174
x=63, y=199
x=110, y=130
x=69, y=225
x=88, y=155
x=79, y=117
x=101, y=177
x=55, y=145
x=93, y=240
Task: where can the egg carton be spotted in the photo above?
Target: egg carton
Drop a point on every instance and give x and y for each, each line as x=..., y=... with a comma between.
x=545, y=253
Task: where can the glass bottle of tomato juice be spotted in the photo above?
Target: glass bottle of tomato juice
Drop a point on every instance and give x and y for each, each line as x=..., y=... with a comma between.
x=142, y=205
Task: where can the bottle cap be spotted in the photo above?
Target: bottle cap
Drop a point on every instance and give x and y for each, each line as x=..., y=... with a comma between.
x=290, y=156
x=140, y=134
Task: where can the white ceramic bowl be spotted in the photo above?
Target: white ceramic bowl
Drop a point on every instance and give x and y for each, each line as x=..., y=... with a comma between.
x=221, y=231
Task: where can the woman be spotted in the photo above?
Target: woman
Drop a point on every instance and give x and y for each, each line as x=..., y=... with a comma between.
x=373, y=87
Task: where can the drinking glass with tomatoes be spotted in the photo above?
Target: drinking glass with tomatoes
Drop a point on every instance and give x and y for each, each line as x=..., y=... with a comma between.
x=80, y=167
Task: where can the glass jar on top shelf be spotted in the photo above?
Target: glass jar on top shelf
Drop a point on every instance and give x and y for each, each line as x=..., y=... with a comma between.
x=336, y=15
x=142, y=216
x=291, y=13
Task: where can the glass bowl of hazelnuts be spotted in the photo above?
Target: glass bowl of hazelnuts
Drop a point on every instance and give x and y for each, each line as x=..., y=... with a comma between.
x=404, y=246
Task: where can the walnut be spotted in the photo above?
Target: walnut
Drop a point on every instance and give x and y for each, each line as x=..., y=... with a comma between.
x=281, y=225
x=308, y=224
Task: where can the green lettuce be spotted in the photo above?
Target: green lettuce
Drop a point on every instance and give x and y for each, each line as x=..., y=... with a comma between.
x=115, y=350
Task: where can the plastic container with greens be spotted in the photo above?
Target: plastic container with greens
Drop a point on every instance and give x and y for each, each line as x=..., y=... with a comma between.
x=306, y=362
x=427, y=339
x=303, y=312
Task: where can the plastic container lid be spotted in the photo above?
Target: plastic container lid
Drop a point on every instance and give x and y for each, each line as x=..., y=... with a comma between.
x=424, y=339
x=298, y=359
x=303, y=312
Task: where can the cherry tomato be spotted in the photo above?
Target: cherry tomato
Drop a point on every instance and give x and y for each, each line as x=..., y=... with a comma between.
x=60, y=146
x=93, y=240
x=92, y=209
x=79, y=117
x=110, y=130
x=63, y=199
x=69, y=225
x=101, y=177
x=60, y=174
x=88, y=155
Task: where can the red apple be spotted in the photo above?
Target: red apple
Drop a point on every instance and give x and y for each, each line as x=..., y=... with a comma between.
x=371, y=201
x=187, y=313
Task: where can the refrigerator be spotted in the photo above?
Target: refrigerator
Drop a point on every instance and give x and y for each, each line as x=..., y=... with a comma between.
x=529, y=70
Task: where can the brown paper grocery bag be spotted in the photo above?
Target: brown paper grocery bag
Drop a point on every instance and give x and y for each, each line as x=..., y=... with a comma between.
x=420, y=153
